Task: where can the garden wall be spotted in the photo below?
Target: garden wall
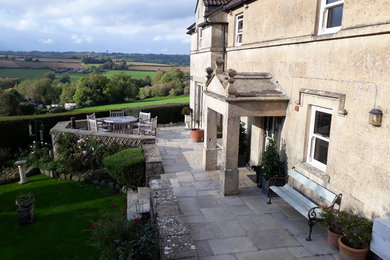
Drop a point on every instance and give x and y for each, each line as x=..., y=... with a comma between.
x=14, y=133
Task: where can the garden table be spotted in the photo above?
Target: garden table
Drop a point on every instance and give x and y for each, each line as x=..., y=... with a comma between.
x=130, y=120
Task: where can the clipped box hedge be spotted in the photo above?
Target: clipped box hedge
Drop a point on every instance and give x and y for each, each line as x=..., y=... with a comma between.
x=127, y=167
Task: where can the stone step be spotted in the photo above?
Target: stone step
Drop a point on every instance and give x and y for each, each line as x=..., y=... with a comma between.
x=138, y=203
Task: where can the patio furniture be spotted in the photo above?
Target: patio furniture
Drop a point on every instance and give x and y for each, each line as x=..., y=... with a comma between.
x=303, y=205
x=117, y=113
x=94, y=126
x=122, y=128
x=144, y=117
x=101, y=124
x=112, y=121
x=91, y=116
x=150, y=128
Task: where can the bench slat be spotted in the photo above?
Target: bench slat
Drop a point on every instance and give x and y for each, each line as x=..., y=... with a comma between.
x=323, y=192
x=295, y=199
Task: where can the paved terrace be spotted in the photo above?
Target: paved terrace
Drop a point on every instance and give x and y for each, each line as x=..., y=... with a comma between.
x=233, y=227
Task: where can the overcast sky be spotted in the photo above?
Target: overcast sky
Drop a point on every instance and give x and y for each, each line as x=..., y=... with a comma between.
x=129, y=26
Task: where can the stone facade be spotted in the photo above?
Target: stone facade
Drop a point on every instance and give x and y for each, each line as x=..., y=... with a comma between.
x=345, y=72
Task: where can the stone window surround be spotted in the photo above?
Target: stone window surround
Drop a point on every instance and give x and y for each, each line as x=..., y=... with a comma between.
x=237, y=32
x=323, y=17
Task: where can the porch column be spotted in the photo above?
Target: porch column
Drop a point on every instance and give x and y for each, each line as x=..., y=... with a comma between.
x=229, y=171
x=210, y=152
x=257, y=140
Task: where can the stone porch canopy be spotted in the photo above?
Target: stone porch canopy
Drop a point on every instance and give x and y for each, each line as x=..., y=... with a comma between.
x=235, y=95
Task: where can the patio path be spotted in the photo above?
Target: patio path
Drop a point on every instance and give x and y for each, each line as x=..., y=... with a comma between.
x=234, y=227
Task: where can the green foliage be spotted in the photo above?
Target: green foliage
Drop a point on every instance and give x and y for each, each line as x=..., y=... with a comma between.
x=39, y=155
x=271, y=165
x=9, y=103
x=8, y=82
x=68, y=91
x=122, y=87
x=331, y=219
x=50, y=75
x=39, y=90
x=78, y=155
x=118, y=238
x=186, y=111
x=91, y=90
x=23, y=74
x=243, y=140
x=356, y=229
x=127, y=167
x=74, y=205
x=24, y=197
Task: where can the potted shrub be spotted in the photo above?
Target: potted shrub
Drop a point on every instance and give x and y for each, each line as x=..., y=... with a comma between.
x=186, y=111
x=357, y=231
x=25, y=203
x=196, y=133
x=332, y=222
x=271, y=167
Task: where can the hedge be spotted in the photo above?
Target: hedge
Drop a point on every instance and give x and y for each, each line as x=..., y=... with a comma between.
x=14, y=129
x=127, y=167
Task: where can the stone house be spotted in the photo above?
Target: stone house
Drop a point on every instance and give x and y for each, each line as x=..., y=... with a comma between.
x=307, y=73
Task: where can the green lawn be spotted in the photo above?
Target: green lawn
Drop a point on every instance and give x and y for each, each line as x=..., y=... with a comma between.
x=23, y=74
x=136, y=74
x=139, y=103
x=64, y=210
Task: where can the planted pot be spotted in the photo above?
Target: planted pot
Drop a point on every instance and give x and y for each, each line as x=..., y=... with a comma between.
x=349, y=253
x=197, y=135
x=25, y=210
x=333, y=238
x=264, y=185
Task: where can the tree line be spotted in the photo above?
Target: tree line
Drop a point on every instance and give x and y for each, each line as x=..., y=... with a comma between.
x=93, y=89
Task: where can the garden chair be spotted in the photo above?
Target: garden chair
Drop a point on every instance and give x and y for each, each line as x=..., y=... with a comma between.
x=94, y=126
x=150, y=128
x=117, y=113
x=144, y=117
x=91, y=116
x=121, y=128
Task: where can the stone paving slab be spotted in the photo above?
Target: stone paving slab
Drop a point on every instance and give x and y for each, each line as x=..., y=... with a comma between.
x=233, y=227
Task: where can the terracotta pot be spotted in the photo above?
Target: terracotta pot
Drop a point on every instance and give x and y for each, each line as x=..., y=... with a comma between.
x=349, y=253
x=333, y=238
x=197, y=135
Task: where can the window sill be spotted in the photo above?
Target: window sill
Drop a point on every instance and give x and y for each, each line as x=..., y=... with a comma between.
x=313, y=173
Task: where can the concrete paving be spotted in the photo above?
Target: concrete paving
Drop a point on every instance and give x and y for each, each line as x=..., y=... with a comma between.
x=233, y=227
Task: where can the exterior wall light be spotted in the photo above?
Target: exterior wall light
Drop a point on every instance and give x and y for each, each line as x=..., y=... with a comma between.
x=375, y=117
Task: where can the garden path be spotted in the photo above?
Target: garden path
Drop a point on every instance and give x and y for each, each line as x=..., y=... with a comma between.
x=234, y=227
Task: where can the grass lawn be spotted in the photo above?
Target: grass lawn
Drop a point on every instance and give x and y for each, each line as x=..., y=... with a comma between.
x=139, y=103
x=64, y=210
x=135, y=74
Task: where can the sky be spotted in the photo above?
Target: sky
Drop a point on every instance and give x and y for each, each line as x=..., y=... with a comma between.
x=128, y=26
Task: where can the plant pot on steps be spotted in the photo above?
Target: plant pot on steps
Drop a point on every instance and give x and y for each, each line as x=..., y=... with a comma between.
x=333, y=238
x=197, y=135
x=349, y=253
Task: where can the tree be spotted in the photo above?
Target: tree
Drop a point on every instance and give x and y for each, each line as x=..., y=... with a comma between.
x=8, y=82
x=122, y=87
x=50, y=75
x=65, y=78
x=91, y=90
x=8, y=103
x=39, y=90
x=67, y=93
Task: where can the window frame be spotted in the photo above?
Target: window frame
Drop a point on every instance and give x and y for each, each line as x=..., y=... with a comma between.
x=313, y=136
x=200, y=38
x=323, y=17
x=237, y=32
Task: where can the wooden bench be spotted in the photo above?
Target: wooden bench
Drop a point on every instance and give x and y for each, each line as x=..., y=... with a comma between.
x=303, y=205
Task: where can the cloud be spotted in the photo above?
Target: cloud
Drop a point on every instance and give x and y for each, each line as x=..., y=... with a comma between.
x=46, y=41
x=113, y=25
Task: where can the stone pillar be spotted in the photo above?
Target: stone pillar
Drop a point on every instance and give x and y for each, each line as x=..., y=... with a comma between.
x=229, y=172
x=257, y=140
x=22, y=171
x=210, y=151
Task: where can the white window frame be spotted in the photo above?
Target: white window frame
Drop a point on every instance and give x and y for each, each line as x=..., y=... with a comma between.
x=323, y=17
x=200, y=39
x=313, y=137
x=239, y=18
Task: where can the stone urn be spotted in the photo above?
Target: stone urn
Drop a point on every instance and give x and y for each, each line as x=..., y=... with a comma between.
x=26, y=204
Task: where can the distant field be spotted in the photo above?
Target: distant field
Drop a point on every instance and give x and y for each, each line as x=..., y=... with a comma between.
x=133, y=74
x=23, y=74
x=39, y=65
x=156, y=68
x=140, y=103
x=136, y=63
